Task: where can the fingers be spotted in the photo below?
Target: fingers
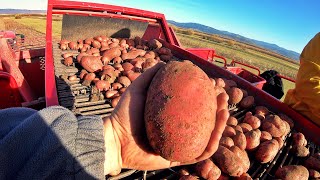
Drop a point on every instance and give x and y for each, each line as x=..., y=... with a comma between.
x=221, y=120
x=143, y=81
x=222, y=101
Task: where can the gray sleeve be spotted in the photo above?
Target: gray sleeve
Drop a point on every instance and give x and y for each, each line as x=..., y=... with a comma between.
x=50, y=144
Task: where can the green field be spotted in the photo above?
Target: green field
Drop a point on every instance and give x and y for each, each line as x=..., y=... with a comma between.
x=262, y=61
x=226, y=47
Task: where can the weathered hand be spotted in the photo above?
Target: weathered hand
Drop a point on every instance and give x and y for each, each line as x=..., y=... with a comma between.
x=131, y=148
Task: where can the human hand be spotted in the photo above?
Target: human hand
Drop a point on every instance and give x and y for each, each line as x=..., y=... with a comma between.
x=127, y=145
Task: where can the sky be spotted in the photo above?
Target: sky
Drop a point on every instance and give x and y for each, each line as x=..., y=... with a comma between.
x=287, y=23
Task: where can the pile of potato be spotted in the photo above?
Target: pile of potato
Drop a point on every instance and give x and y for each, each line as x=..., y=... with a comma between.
x=261, y=134
x=111, y=64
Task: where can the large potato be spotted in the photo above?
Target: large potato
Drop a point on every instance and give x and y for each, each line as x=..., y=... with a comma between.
x=292, y=172
x=267, y=151
x=274, y=125
x=243, y=156
x=253, y=139
x=177, y=129
x=228, y=162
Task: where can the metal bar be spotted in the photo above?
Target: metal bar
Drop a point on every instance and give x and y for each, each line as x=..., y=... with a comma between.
x=247, y=65
x=94, y=107
x=9, y=62
x=101, y=111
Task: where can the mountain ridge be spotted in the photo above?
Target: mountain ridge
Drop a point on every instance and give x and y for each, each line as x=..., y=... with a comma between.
x=269, y=46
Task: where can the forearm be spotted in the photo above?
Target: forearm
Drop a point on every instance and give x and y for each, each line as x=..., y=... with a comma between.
x=113, y=161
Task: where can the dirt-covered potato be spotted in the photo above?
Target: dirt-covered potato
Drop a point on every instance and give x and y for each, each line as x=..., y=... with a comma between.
x=314, y=174
x=220, y=82
x=267, y=151
x=253, y=139
x=292, y=172
x=300, y=151
x=265, y=136
x=313, y=162
x=226, y=142
x=243, y=156
x=228, y=162
x=232, y=121
x=299, y=139
x=261, y=110
x=189, y=177
x=207, y=169
x=253, y=121
x=274, y=125
x=240, y=140
x=244, y=176
x=235, y=95
x=172, y=131
x=287, y=119
x=247, y=102
x=229, y=131
x=245, y=127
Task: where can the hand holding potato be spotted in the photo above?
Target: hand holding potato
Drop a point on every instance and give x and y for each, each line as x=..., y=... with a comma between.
x=125, y=130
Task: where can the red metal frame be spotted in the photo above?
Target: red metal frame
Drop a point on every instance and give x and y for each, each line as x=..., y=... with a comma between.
x=234, y=62
x=93, y=9
x=10, y=64
x=287, y=78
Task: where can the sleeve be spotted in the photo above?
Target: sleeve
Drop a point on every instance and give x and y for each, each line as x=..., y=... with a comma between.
x=305, y=97
x=50, y=144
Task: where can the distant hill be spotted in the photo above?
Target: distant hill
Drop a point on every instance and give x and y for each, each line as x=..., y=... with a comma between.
x=272, y=47
x=21, y=11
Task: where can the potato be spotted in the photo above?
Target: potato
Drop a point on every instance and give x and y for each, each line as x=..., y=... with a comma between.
x=91, y=63
x=88, y=79
x=154, y=44
x=265, y=136
x=230, y=84
x=299, y=139
x=229, y=131
x=125, y=81
x=244, y=176
x=247, y=102
x=240, y=140
x=189, y=177
x=313, y=173
x=165, y=58
x=287, y=119
x=235, y=95
x=207, y=169
x=300, y=151
x=220, y=82
x=228, y=162
x=109, y=54
x=148, y=63
x=253, y=139
x=226, y=142
x=183, y=172
x=133, y=54
x=172, y=131
x=232, y=121
x=245, y=127
x=313, y=162
x=239, y=128
x=245, y=93
x=243, y=156
x=68, y=61
x=274, y=125
x=253, y=121
x=261, y=110
x=280, y=141
x=267, y=151
x=292, y=172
